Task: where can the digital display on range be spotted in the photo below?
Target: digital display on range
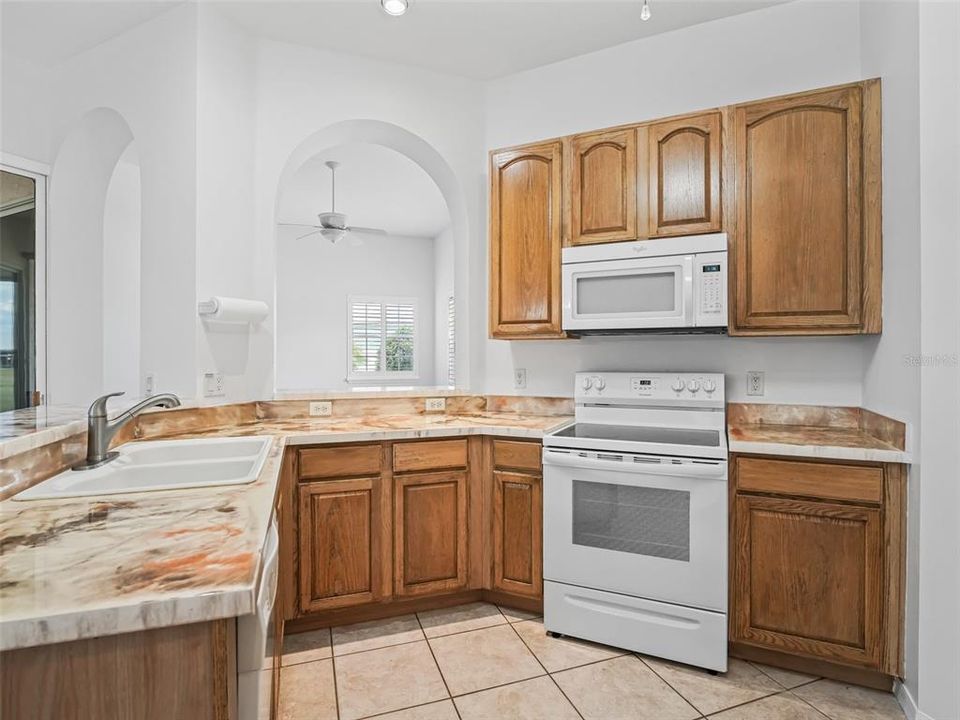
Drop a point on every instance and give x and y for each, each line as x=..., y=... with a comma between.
x=711, y=268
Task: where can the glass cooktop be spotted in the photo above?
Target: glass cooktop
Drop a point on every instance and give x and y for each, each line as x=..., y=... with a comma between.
x=641, y=434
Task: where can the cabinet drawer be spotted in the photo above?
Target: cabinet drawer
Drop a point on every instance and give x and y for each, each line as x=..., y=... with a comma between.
x=820, y=480
x=518, y=455
x=429, y=455
x=342, y=461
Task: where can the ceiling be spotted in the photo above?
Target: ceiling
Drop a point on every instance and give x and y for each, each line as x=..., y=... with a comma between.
x=480, y=39
x=46, y=33
x=376, y=187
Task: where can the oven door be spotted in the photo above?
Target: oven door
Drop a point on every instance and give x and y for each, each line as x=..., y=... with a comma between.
x=646, y=526
x=629, y=294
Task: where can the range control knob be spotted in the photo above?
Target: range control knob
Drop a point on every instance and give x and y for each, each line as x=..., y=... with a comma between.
x=709, y=386
x=693, y=386
x=599, y=383
x=587, y=383
x=678, y=385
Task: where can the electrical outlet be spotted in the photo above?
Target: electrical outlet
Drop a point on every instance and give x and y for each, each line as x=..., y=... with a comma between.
x=213, y=384
x=520, y=378
x=754, y=382
x=436, y=404
x=150, y=383
x=321, y=408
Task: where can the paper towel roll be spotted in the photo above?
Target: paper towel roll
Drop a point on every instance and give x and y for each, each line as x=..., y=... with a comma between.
x=232, y=310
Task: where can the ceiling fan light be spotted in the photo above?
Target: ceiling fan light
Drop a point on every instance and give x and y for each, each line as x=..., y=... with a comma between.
x=394, y=8
x=334, y=235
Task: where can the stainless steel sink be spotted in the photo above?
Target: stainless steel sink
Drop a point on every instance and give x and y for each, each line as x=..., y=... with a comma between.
x=162, y=465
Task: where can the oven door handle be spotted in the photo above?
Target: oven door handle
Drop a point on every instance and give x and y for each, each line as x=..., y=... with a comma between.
x=708, y=470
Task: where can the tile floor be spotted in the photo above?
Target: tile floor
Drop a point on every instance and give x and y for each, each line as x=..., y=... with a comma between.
x=481, y=662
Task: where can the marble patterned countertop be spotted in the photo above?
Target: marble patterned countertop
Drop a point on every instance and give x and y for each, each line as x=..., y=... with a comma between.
x=85, y=567
x=812, y=442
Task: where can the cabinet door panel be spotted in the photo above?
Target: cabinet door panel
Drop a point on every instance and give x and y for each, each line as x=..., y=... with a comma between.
x=340, y=543
x=603, y=187
x=799, y=237
x=430, y=532
x=525, y=242
x=808, y=578
x=684, y=176
x=518, y=533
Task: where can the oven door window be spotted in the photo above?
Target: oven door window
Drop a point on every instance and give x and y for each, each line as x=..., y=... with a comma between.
x=639, y=520
x=638, y=292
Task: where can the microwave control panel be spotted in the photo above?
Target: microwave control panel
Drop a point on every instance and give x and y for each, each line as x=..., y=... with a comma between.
x=710, y=271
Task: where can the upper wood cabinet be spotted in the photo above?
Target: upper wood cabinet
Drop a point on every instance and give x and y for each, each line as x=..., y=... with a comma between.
x=683, y=176
x=602, y=186
x=525, y=207
x=806, y=197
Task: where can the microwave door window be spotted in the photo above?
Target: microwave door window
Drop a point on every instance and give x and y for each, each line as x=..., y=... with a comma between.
x=635, y=294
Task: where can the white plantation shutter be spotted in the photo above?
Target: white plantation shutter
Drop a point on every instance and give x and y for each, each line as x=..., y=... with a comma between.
x=451, y=342
x=382, y=341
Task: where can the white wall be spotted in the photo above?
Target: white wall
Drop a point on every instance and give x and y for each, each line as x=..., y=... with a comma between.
x=314, y=280
x=443, y=270
x=791, y=47
x=939, y=507
x=121, y=270
x=24, y=110
x=302, y=91
x=226, y=171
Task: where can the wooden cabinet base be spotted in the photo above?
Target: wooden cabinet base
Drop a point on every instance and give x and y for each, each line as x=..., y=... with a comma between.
x=188, y=671
x=810, y=666
x=381, y=610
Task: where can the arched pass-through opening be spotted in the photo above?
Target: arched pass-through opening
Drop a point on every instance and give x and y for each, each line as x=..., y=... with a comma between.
x=87, y=186
x=424, y=155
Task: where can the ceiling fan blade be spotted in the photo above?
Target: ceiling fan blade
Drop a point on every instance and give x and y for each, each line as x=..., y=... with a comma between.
x=366, y=230
x=314, y=232
x=299, y=225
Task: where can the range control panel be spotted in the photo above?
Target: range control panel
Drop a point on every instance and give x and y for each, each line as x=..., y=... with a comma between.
x=640, y=387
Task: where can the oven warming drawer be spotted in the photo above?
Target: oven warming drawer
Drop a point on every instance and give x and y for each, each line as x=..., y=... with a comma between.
x=684, y=634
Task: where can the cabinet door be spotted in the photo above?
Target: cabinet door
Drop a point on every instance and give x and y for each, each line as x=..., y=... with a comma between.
x=684, y=176
x=518, y=533
x=603, y=187
x=430, y=532
x=525, y=242
x=798, y=240
x=808, y=578
x=342, y=551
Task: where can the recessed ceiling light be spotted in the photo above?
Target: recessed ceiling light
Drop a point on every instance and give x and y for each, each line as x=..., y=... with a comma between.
x=396, y=8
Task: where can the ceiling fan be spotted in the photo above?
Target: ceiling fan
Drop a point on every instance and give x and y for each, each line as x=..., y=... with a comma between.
x=333, y=225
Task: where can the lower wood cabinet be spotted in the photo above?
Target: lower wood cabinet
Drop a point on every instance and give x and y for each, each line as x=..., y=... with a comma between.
x=340, y=543
x=430, y=533
x=817, y=560
x=517, y=533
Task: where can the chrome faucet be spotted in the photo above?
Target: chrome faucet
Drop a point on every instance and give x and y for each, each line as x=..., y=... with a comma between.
x=100, y=430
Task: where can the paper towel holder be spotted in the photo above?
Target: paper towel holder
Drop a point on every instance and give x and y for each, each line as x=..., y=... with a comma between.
x=232, y=310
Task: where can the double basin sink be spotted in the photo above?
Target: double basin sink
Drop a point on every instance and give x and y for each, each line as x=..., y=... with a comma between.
x=162, y=465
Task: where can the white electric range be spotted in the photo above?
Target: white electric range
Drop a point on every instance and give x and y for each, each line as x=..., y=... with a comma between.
x=635, y=516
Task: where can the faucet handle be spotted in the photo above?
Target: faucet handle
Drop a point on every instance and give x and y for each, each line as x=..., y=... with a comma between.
x=98, y=408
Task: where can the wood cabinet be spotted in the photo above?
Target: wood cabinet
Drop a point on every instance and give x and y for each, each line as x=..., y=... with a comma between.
x=525, y=240
x=805, y=193
x=817, y=560
x=602, y=187
x=430, y=532
x=683, y=176
x=517, y=518
x=341, y=553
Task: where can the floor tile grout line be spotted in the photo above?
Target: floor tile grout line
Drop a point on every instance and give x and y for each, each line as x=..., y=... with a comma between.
x=666, y=682
x=333, y=667
x=436, y=662
x=807, y=702
x=411, y=707
x=540, y=662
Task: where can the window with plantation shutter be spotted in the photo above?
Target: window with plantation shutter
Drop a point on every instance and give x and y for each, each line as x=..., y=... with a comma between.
x=451, y=342
x=382, y=340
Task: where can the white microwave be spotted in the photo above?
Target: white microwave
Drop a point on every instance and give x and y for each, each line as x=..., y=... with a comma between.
x=670, y=285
